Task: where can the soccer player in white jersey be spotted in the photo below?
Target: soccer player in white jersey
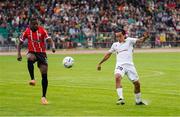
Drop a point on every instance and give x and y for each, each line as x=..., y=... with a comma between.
x=124, y=63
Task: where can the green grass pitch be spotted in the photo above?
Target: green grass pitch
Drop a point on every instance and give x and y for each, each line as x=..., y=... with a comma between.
x=84, y=91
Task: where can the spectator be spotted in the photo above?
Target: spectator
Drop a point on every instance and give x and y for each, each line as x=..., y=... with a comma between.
x=73, y=16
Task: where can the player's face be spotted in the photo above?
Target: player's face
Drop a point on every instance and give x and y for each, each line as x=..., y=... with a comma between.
x=34, y=25
x=120, y=37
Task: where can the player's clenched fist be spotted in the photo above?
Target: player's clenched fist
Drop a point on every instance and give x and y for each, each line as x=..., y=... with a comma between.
x=19, y=57
x=99, y=67
x=146, y=34
x=53, y=50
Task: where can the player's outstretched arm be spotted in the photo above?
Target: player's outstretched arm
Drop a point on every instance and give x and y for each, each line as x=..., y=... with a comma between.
x=52, y=44
x=19, y=57
x=106, y=57
x=143, y=38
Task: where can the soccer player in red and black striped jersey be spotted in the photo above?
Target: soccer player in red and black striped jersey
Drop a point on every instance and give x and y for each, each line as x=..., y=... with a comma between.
x=36, y=36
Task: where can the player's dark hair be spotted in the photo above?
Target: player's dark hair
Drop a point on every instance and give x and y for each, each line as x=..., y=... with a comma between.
x=117, y=29
x=33, y=19
x=33, y=22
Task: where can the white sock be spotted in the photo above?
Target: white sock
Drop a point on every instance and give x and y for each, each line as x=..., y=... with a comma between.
x=138, y=97
x=120, y=93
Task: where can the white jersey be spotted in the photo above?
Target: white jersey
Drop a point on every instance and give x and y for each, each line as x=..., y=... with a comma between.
x=124, y=51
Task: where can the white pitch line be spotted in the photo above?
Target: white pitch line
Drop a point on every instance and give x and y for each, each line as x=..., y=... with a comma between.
x=153, y=74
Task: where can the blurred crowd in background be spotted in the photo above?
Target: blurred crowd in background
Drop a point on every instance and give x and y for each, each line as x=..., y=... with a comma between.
x=90, y=23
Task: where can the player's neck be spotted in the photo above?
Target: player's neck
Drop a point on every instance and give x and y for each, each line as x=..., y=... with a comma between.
x=121, y=41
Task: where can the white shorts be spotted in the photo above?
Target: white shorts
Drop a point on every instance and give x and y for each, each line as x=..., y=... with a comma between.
x=127, y=69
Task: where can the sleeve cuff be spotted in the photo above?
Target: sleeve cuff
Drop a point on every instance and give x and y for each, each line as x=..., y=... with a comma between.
x=47, y=38
x=21, y=40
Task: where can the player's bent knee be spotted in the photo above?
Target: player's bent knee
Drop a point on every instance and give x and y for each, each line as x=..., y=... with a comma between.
x=118, y=77
x=43, y=69
x=136, y=83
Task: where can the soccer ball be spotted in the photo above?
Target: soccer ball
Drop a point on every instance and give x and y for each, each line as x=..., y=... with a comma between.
x=68, y=62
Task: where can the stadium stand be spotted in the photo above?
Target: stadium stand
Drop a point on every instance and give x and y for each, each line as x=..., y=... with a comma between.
x=89, y=23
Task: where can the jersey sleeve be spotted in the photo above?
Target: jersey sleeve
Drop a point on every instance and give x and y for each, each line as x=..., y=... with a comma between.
x=46, y=36
x=132, y=40
x=24, y=36
x=112, y=49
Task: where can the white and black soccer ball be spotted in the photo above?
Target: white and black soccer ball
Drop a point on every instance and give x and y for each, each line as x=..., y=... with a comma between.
x=68, y=62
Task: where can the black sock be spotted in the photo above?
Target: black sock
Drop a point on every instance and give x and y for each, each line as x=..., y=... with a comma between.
x=44, y=84
x=31, y=69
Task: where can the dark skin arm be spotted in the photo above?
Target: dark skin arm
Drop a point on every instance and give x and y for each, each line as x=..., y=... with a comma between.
x=19, y=57
x=52, y=44
x=106, y=57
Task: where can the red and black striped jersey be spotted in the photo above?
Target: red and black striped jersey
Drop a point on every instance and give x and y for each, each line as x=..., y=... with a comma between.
x=36, y=40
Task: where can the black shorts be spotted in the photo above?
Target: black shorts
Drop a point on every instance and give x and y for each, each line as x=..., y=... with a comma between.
x=41, y=58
